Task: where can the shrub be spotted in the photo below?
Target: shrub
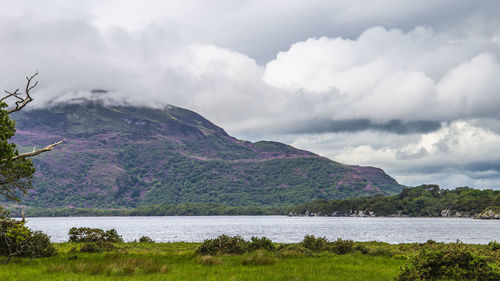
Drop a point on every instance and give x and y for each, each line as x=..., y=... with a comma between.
x=18, y=240
x=146, y=239
x=112, y=236
x=342, y=247
x=86, y=234
x=96, y=247
x=223, y=245
x=40, y=245
x=362, y=249
x=293, y=251
x=381, y=252
x=314, y=244
x=455, y=263
x=494, y=245
x=262, y=243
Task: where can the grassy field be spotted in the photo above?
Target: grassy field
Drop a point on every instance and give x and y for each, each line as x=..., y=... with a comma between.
x=178, y=261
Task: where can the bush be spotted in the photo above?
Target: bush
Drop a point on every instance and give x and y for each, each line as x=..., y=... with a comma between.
x=361, y=249
x=223, y=245
x=380, y=251
x=342, y=247
x=96, y=247
x=40, y=245
x=455, y=263
x=86, y=234
x=494, y=245
x=262, y=243
x=146, y=239
x=18, y=240
x=112, y=236
x=293, y=251
x=314, y=244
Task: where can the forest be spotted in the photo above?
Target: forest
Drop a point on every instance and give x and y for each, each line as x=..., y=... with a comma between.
x=420, y=201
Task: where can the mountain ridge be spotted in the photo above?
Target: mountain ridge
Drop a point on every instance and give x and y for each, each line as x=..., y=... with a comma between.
x=125, y=156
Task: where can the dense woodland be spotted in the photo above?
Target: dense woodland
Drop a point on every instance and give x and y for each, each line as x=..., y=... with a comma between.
x=421, y=201
x=191, y=209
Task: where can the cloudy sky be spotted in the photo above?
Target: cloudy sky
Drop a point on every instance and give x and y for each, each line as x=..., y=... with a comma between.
x=412, y=87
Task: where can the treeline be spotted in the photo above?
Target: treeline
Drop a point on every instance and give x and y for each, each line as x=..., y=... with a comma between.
x=421, y=201
x=189, y=209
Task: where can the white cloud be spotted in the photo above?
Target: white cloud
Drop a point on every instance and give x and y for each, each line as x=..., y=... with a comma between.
x=418, y=75
x=435, y=61
x=460, y=153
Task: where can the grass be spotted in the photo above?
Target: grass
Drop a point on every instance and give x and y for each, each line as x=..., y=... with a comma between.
x=177, y=261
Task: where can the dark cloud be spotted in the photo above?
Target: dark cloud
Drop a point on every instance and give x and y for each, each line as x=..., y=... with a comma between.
x=319, y=126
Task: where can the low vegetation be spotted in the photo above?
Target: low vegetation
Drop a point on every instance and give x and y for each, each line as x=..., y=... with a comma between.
x=16, y=240
x=450, y=262
x=85, y=257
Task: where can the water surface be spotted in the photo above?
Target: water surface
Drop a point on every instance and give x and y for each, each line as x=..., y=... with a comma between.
x=279, y=228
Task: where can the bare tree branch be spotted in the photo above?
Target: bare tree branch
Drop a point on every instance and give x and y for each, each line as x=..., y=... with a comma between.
x=36, y=152
x=22, y=101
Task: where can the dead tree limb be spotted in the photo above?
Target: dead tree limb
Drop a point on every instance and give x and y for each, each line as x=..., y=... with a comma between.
x=22, y=99
x=36, y=152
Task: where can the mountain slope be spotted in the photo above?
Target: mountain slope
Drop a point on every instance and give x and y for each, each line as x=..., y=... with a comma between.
x=131, y=156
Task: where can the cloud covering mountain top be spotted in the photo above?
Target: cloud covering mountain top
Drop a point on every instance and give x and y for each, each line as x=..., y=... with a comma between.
x=411, y=88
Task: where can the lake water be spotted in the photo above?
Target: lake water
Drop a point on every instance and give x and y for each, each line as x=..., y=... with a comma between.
x=279, y=228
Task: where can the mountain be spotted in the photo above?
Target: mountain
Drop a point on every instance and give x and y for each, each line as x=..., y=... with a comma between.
x=124, y=156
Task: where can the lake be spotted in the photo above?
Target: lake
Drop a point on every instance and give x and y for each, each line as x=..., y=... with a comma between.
x=279, y=228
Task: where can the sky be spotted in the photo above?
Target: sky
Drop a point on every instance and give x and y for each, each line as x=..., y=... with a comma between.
x=412, y=87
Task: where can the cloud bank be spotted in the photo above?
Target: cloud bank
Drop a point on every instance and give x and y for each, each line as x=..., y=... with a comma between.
x=413, y=89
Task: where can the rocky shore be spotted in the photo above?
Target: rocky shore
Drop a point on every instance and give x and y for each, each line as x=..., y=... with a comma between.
x=488, y=213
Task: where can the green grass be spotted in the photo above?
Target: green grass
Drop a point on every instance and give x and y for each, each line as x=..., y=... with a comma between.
x=177, y=261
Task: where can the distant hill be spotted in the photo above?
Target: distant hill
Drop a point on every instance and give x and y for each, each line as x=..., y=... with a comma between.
x=134, y=156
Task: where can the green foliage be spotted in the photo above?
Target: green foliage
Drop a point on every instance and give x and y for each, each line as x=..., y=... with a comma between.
x=342, y=247
x=293, y=251
x=223, y=245
x=189, y=209
x=361, y=249
x=146, y=239
x=494, y=245
x=455, y=263
x=86, y=234
x=40, y=245
x=18, y=240
x=423, y=201
x=314, y=244
x=262, y=243
x=15, y=175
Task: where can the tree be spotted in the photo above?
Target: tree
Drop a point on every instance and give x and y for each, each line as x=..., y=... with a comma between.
x=16, y=169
